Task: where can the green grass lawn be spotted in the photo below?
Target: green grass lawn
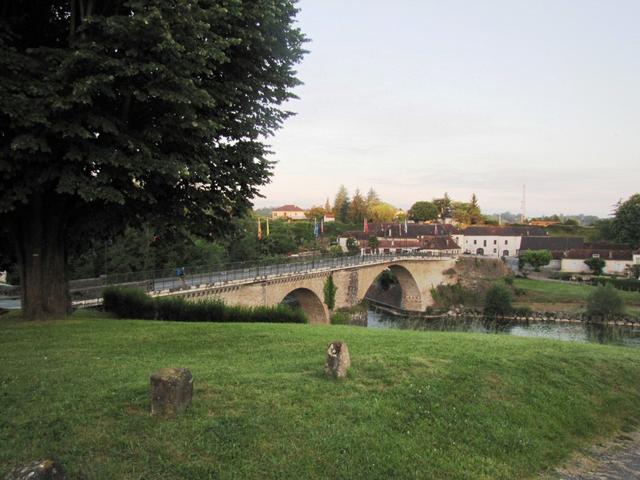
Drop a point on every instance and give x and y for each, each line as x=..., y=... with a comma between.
x=415, y=404
x=565, y=294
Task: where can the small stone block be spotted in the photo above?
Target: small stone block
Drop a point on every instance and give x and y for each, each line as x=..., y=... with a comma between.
x=171, y=391
x=338, y=360
x=40, y=470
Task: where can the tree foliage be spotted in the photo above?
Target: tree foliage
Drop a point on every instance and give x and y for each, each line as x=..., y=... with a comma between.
x=373, y=199
x=373, y=242
x=112, y=112
x=341, y=205
x=475, y=215
x=626, y=224
x=422, y=211
x=498, y=301
x=329, y=291
x=315, y=212
x=357, y=208
x=596, y=264
x=444, y=206
x=383, y=212
x=605, y=301
x=536, y=258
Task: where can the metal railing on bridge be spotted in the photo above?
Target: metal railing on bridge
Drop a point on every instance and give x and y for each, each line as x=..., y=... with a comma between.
x=262, y=271
x=246, y=272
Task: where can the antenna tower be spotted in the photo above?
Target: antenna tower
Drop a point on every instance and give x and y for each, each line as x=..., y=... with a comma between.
x=523, y=205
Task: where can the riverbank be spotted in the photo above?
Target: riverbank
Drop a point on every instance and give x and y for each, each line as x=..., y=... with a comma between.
x=415, y=404
x=565, y=298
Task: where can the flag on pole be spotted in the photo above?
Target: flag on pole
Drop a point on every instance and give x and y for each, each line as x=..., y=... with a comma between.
x=365, y=227
x=322, y=225
x=316, y=229
x=406, y=226
x=259, y=230
x=267, y=226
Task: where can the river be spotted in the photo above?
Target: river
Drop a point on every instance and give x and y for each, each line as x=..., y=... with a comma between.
x=573, y=332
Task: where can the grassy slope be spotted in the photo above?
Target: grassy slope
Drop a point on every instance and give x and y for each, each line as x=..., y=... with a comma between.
x=565, y=295
x=416, y=404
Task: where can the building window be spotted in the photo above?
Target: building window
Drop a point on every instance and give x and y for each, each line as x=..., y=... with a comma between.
x=495, y=250
x=506, y=242
x=485, y=243
x=495, y=242
x=475, y=242
x=596, y=255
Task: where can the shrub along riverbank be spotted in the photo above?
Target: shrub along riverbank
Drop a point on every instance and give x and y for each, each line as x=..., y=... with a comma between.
x=568, y=300
x=415, y=404
x=135, y=303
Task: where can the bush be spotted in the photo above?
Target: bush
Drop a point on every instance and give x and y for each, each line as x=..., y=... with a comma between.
x=596, y=265
x=129, y=303
x=605, y=302
x=628, y=284
x=451, y=295
x=498, y=301
x=340, y=318
x=508, y=281
x=135, y=303
x=329, y=291
x=522, y=312
x=561, y=276
x=535, y=258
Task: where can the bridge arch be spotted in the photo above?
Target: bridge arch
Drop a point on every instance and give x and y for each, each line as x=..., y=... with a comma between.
x=310, y=303
x=411, y=297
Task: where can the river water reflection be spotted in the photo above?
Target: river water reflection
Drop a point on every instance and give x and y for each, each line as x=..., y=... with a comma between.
x=575, y=332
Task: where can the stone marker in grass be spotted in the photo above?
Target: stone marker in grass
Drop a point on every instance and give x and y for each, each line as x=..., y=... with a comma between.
x=40, y=470
x=171, y=391
x=338, y=360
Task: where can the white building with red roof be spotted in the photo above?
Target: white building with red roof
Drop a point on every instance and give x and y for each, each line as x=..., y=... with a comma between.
x=288, y=212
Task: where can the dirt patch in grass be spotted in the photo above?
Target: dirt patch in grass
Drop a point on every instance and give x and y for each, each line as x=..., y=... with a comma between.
x=616, y=458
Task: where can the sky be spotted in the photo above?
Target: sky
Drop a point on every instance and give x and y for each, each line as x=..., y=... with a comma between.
x=417, y=97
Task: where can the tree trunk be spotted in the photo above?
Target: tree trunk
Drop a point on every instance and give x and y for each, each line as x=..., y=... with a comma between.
x=39, y=235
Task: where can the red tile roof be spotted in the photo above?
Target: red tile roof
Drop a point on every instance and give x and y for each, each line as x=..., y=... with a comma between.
x=288, y=208
x=584, y=253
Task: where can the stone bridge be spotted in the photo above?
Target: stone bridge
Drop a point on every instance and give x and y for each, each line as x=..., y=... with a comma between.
x=416, y=277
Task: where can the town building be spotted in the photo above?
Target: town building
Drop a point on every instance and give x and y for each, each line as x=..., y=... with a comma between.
x=329, y=217
x=617, y=262
x=495, y=241
x=288, y=212
x=557, y=246
x=404, y=237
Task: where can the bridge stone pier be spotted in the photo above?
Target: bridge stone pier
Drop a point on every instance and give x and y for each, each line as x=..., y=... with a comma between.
x=416, y=277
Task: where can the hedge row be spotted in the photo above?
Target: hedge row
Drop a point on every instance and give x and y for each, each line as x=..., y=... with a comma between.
x=628, y=284
x=135, y=303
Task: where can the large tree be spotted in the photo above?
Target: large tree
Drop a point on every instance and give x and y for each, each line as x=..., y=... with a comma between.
x=423, y=210
x=341, y=204
x=383, y=213
x=357, y=208
x=114, y=111
x=475, y=216
x=444, y=206
x=626, y=224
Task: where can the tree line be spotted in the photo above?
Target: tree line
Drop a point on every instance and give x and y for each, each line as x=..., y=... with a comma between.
x=355, y=209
